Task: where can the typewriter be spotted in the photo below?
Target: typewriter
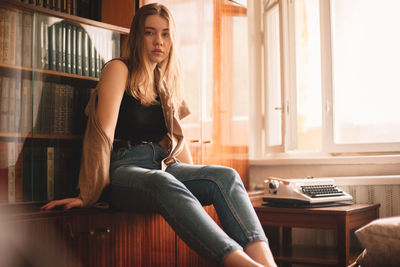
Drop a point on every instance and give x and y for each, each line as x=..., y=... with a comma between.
x=306, y=192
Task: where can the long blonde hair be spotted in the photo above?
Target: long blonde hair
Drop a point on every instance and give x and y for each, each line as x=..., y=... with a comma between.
x=142, y=79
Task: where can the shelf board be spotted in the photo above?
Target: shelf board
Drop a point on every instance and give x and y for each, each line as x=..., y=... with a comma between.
x=65, y=16
x=47, y=72
x=39, y=136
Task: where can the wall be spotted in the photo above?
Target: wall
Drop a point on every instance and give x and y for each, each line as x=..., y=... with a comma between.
x=298, y=168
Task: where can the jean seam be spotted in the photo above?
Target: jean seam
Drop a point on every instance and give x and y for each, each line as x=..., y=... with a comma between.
x=228, y=202
x=188, y=233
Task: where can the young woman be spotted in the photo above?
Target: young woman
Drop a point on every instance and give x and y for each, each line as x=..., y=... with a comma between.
x=134, y=121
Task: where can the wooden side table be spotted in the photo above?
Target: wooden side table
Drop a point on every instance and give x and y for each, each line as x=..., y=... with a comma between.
x=340, y=218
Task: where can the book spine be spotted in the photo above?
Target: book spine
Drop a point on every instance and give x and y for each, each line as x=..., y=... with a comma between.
x=60, y=104
x=37, y=44
x=73, y=49
x=11, y=171
x=68, y=51
x=79, y=55
x=2, y=18
x=19, y=188
x=11, y=105
x=3, y=173
x=52, y=47
x=74, y=7
x=27, y=40
x=26, y=107
x=18, y=107
x=59, y=46
x=9, y=36
x=85, y=54
x=4, y=101
x=69, y=97
x=64, y=47
x=92, y=59
x=37, y=97
x=43, y=55
x=50, y=173
x=19, y=37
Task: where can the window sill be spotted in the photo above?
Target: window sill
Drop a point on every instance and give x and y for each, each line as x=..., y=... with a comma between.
x=297, y=159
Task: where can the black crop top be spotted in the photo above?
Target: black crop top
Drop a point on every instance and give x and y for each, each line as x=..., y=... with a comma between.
x=138, y=123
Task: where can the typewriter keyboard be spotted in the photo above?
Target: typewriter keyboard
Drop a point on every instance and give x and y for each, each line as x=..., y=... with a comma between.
x=315, y=191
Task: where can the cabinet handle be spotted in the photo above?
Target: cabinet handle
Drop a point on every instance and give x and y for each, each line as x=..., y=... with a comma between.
x=194, y=141
x=207, y=142
x=91, y=232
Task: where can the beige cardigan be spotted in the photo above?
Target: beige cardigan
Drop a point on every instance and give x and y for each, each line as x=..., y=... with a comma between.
x=97, y=147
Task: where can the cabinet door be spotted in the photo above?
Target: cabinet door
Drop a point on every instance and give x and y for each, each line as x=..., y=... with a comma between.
x=142, y=240
x=89, y=239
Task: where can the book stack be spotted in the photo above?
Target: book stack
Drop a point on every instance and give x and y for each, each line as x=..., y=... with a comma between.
x=57, y=45
x=31, y=172
x=39, y=107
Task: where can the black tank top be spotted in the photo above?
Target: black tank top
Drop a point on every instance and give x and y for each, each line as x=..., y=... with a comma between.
x=138, y=123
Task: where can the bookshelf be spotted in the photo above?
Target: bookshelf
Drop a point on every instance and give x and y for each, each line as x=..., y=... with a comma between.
x=50, y=61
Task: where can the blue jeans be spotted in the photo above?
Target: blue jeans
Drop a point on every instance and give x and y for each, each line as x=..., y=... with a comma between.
x=139, y=185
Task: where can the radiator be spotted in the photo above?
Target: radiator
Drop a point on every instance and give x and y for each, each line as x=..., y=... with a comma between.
x=384, y=190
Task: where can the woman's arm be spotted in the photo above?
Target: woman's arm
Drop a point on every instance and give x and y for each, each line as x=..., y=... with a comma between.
x=110, y=92
x=111, y=89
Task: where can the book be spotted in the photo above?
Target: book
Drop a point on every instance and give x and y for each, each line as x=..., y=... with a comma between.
x=18, y=172
x=4, y=101
x=85, y=53
x=11, y=149
x=52, y=47
x=26, y=107
x=17, y=104
x=60, y=106
x=92, y=59
x=59, y=46
x=68, y=50
x=64, y=47
x=3, y=172
x=42, y=43
x=8, y=37
x=27, y=39
x=68, y=99
x=73, y=49
x=11, y=104
x=39, y=170
x=37, y=96
x=19, y=38
x=50, y=173
x=79, y=46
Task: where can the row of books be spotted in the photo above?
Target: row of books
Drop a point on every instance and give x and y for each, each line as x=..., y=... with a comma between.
x=37, y=173
x=83, y=8
x=37, y=107
x=50, y=43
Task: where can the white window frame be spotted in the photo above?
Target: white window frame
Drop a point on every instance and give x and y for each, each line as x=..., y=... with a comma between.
x=328, y=144
x=258, y=144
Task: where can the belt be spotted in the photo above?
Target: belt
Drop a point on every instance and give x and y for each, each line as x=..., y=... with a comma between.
x=119, y=143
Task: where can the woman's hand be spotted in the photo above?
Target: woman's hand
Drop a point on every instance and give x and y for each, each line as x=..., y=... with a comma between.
x=67, y=203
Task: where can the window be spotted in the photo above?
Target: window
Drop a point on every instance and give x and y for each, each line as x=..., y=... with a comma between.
x=330, y=76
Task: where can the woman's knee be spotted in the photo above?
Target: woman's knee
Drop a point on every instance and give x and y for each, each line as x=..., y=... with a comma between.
x=226, y=175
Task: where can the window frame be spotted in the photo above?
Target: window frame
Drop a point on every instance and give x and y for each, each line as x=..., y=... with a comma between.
x=258, y=144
